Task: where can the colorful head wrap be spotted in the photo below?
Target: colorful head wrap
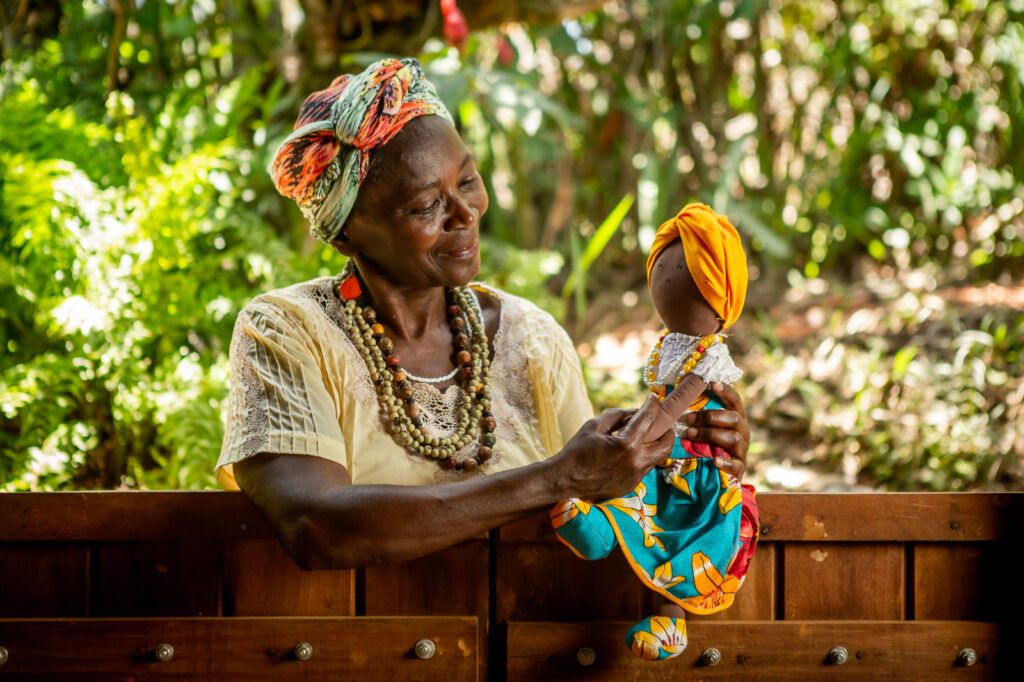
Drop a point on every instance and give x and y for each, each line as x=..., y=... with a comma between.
x=714, y=255
x=324, y=161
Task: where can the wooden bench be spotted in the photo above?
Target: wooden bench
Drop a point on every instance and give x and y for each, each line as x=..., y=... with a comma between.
x=910, y=586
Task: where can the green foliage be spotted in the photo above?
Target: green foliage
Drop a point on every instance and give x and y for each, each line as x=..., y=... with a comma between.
x=852, y=143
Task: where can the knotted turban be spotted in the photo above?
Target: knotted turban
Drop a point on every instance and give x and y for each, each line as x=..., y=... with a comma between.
x=714, y=256
x=325, y=159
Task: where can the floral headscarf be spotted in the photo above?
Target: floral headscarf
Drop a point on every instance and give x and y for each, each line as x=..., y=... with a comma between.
x=324, y=161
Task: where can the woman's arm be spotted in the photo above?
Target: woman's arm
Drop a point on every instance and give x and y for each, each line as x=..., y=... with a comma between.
x=326, y=522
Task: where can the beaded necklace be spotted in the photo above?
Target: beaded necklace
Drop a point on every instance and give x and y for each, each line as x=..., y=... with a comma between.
x=680, y=368
x=394, y=392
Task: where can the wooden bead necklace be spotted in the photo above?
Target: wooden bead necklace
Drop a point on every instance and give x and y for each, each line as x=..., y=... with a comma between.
x=651, y=369
x=394, y=392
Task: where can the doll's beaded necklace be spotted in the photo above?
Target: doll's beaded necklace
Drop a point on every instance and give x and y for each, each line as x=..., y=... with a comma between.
x=680, y=368
x=403, y=416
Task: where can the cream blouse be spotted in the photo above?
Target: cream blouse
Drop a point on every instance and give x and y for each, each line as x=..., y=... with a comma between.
x=299, y=387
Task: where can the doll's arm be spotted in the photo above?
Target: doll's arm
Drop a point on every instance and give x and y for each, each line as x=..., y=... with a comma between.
x=676, y=404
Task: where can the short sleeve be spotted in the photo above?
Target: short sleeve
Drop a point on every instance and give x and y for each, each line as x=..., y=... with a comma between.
x=277, y=400
x=560, y=391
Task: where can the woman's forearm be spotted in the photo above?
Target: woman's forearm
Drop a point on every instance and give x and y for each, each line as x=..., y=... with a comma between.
x=325, y=522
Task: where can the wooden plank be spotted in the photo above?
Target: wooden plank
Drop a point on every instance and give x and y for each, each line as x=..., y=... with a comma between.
x=149, y=578
x=850, y=581
x=453, y=582
x=766, y=651
x=888, y=517
x=857, y=517
x=44, y=580
x=756, y=598
x=785, y=517
x=541, y=580
x=370, y=649
x=130, y=515
x=956, y=581
x=262, y=580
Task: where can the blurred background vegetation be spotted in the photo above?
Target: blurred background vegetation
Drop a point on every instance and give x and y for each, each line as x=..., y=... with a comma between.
x=871, y=153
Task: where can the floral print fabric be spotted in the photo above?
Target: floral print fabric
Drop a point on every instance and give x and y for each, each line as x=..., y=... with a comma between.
x=688, y=531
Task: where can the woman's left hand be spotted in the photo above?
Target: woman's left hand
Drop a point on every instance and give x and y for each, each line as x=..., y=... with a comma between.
x=727, y=428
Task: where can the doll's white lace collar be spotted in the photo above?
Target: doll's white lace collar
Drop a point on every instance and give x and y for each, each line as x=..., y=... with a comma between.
x=676, y=349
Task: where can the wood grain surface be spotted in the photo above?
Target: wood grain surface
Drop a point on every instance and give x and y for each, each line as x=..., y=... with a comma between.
x=370, y=649
x=765, y=651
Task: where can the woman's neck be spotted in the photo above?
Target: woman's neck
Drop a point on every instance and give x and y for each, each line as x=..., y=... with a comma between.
x=409, y=313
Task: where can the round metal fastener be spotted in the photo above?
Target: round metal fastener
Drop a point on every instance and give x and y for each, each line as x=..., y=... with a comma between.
x=163, y=652
x=837, y=655
x=425, y=649
x=303, y=651
x=3, y=655
x=967, y=657
x=711, y=656
x=586, y=656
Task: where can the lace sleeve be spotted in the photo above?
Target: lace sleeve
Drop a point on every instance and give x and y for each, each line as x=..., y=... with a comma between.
x=557, y=377
x=277, y=400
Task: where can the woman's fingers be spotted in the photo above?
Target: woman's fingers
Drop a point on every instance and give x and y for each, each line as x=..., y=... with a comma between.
x=731, y=466
x=716, y=419
x=612, y=419
x=727, y=439
x=730, y=398
x=639, y=426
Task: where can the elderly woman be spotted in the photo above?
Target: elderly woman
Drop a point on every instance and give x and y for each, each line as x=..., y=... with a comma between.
x=396, y=409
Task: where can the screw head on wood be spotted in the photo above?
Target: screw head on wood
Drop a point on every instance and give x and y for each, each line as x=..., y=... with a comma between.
x=711, y=656
x=303, y=651
x=163, y=652
x=586, y=656
x=966, y=657
x=837, y=655
x=425, y=649
x=3, y=655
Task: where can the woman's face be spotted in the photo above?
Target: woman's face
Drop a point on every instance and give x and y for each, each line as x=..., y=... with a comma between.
x=417, y=216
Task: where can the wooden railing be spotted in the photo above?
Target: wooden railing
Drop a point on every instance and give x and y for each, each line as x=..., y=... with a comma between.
x=92, y=583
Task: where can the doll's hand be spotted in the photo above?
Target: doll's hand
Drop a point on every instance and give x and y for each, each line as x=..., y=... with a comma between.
x=727, y=428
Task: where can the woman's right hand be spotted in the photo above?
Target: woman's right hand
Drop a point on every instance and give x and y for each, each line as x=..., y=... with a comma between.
x=612, y=452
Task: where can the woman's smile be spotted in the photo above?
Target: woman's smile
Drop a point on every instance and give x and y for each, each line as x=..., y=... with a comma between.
x=464, y=252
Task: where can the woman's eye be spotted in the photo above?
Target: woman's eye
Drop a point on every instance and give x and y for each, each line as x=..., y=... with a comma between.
x=426, y=210
x=469, y=182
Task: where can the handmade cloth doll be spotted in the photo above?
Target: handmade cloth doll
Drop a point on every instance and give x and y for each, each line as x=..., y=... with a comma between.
x=688, y=530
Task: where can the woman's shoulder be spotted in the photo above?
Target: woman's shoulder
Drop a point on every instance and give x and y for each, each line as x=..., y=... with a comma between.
x=295, y=305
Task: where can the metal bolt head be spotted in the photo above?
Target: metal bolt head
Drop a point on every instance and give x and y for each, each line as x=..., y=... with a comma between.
x=586, y=656
x=163, y=652
x=3, y=655
x=711, y=656
x=303, y=651
x=967, y=657
x=837, y=655
x=425, y=649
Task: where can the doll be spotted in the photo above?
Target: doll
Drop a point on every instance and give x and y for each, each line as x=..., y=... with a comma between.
x=688, y=530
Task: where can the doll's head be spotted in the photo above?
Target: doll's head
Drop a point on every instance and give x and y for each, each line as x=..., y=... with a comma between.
x=697, y=272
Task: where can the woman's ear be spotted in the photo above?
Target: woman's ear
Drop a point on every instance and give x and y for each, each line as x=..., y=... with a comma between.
x=343, y=245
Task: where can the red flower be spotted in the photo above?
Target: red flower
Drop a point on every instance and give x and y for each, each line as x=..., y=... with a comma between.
x=456, y=30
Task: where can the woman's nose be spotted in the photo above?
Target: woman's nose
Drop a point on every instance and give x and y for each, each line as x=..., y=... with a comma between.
x=462, y=214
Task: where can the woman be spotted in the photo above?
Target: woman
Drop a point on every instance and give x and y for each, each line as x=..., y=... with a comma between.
x=394, y=411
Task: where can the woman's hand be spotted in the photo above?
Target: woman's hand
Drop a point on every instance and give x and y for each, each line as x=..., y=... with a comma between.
x=611, y=453
x=728, y=429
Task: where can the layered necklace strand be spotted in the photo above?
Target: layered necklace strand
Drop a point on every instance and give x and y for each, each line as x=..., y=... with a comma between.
x=394, y=392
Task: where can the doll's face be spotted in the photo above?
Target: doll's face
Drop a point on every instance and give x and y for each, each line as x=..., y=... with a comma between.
x=676, y=297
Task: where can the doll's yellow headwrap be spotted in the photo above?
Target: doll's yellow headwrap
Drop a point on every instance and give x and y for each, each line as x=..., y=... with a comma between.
x=714, y=255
